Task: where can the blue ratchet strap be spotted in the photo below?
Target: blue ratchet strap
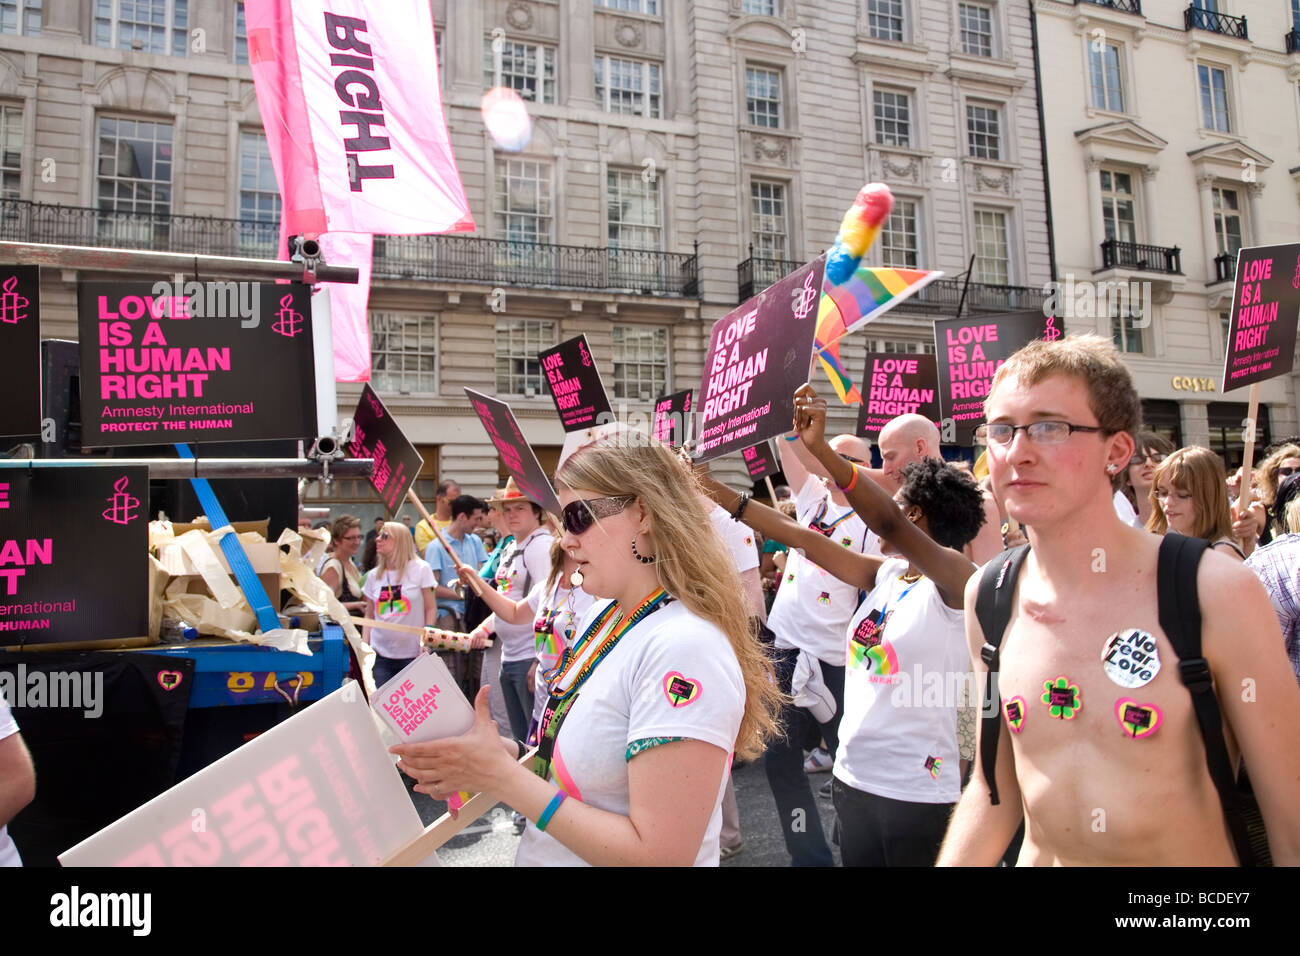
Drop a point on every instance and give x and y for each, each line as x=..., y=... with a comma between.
x=267, y=619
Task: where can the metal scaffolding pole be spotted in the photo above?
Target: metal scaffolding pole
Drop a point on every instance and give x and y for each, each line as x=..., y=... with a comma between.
x=215, y=467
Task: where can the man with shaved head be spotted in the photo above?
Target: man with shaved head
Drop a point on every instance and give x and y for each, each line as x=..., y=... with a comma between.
x=809, y=618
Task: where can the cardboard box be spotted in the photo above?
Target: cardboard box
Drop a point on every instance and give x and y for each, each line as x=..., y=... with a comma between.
x=265, y=559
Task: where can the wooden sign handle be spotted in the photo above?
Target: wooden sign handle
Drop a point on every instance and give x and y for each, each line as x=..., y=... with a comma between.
x=1248, y=457
x=404, y=628
x=475, y=582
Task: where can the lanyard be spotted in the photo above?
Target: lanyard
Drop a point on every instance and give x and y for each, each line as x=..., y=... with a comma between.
x=884, y=611
x=826, y=529
x=578, y=663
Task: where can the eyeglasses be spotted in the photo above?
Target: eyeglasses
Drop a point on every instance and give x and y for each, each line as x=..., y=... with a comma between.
x=352, y=537
x=578, y=516
x=384, y=536
x=1285, y=472
x=853, y=461
x=1040, y=433
x=1142, y=457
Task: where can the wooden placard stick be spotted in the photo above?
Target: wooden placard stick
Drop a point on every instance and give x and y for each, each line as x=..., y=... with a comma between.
x=406, y=628
x=1248, y=457
x=770, y=490
x=475, y=582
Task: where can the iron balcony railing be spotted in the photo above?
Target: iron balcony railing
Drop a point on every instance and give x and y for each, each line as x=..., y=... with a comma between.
x=756, y=273
x=1136, y=255
x=1293, y=41
x=1225, y=267
x=1123, y=6
x=455, y=258
x=1194, y=18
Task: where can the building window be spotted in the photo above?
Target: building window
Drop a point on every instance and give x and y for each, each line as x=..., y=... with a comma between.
x=893, y=117
x=522, y=201
x=763, y=97
x=154, y=26
x=526, y=68
x=403, y=352
x=976, y=21
x=518, y=342
x=650, y=7
x=904, y=348
x=241, y=36
x=437, y=52
x=767, y=206
x=11, y=152
x=133, y=183
x=1227, y=220
x=885, y=20
x=21, y=16
x=992, y=248
x=259, y=198
x=1214, y=98
x=628, y=86
x=1104, y=77
x=1126, y=329
x=640, y=362
x=764, y=8
x=899, y=246
x=984, y=131
x=1225, y=322
x=1117, y=205
x=632, y=208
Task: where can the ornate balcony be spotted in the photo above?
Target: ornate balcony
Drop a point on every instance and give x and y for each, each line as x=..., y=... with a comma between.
x=1225, y=267
x=1123, y=6
x=1144, y=258
x=756, y=273
x=1293, y=41
x=1194, y=18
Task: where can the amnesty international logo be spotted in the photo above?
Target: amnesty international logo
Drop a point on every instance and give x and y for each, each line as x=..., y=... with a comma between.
x=123, y=507
x=287, y=322
x=804, y=298
x=13, y=307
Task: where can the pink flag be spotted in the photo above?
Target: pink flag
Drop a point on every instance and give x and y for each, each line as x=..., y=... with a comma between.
x=348, y=303
x=348, y=91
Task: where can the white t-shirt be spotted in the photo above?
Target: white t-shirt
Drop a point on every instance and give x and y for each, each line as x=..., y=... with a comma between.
x=398, y=598
x=525, y=564
x=898, y=735
x=556, y=613
x=1125, y=511
x=627, y=699
x=738, y=537
x=8, y=727
x=813, y=606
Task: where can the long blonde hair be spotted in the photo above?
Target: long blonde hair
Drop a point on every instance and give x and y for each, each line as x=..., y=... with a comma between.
x=691, y=561
x=403, y=548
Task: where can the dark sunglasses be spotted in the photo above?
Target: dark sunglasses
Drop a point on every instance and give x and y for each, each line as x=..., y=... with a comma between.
x=1284, y=472
x=853, y=461
x=578, y=516
x=384, y=536
x=1142, y=457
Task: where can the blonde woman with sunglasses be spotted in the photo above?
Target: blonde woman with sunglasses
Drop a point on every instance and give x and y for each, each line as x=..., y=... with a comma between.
x=399, y=591
x=663, y=685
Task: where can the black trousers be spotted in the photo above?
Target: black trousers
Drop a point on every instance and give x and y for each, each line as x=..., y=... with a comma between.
x=878, y=831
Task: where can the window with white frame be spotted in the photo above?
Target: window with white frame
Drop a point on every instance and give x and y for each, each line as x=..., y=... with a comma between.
x=763, y=97
x=526, y=68
x=133, y=166
x=628, y=86
x=984, y=131
x=640, y=362
x=975, y=21
x=1227, y=219
x=259, y=197
x=892, y=347
x=1213, y=83
x=633, y=215
x=1104, y=76
x=766, y=8
x=11, y=152
x=992, y=248
x=1117, y=206
x=650, y=7
x=21, y=16
x=522, y=200
x=1225, y=320
x=885, y=20
x=403, y=352
x=899, y=242
x=518, y=341
x=893, y=117
x=241, y=35
x=154, y=26
x=768, y=211
x=1126, y=327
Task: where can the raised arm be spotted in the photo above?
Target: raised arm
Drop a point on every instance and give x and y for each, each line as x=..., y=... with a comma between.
x=948, y=569
x=512, y=612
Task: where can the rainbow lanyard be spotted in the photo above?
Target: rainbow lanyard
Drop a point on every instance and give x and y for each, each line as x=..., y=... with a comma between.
x=578, y=663
x=826, y=529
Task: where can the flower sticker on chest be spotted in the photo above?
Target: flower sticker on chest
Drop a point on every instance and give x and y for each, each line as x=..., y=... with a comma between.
x=1062, y=698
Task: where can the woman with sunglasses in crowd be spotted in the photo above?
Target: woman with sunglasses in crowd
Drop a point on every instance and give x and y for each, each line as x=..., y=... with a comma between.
x=1151, y=450
x=897, y=771
x=1189, y=496
x=398, y=591
x=665, y=682
x=1273, y=470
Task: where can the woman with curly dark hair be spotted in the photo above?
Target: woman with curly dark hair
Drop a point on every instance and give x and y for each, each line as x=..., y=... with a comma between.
x=897, y=771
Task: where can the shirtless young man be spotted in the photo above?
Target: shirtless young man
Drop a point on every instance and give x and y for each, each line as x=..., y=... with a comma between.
x=1159, y=804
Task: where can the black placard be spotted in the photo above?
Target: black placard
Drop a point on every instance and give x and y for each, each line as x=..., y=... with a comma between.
x=970, y=350
x=574, y=383
x=1265, y=309
x=760, y=461
x=377, y=436
x=20, y=349
x=672, y=417
x=73, y=553
x=758, y=355
x=217, y=361
x=499, y=422
x=896, y=384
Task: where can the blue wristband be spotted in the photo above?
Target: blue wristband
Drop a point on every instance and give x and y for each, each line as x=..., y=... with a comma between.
x=794, y=437
x=549, y=812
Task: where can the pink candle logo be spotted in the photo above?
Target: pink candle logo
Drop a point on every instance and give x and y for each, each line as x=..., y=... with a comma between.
x=13, y=307
x=1050, y=332
x=288, y=322
x=582, y=350
x=804, y=298
x=123, y=507
x=1295, y=280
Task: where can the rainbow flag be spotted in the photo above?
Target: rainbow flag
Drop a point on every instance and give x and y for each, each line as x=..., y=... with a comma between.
x=847, y=307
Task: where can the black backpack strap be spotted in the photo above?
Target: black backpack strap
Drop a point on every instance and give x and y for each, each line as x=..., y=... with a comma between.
x=993, y=610
x=1180, y=619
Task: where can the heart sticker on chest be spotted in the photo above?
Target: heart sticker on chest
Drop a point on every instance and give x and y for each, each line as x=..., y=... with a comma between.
x=1137, y=720
x=1013, y=708
x=681, y=690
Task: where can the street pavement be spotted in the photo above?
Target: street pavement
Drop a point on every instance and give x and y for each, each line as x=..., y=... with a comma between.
x=491, y=840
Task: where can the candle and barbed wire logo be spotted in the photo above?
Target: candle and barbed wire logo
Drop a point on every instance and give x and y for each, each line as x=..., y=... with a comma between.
x=1050, y=332
x=13, y=307
x=586, y=357
x=1295, y=280
x=123, y=507
x=804, y=298
x=287, y=322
